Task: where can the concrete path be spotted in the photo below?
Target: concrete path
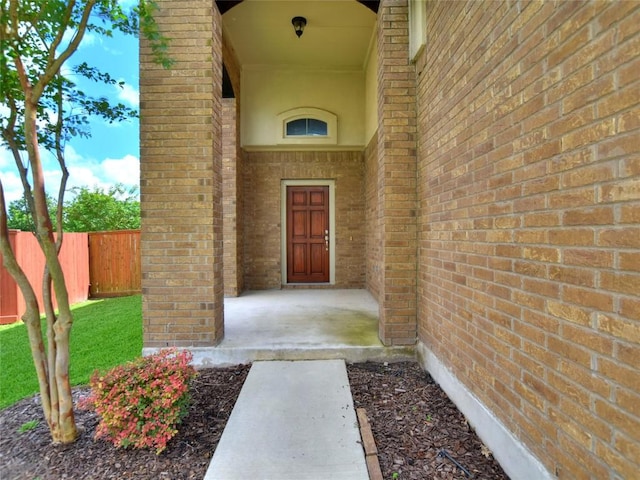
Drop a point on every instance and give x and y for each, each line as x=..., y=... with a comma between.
x=292, y=420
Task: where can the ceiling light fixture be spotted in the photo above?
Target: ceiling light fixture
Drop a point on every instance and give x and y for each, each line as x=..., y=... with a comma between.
x=298, y=25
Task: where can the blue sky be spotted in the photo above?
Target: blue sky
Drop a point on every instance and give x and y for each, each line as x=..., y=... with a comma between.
x=111, y=155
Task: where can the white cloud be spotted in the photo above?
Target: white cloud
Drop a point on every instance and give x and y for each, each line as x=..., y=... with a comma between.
x=129, y=95
x=72, y=157
x=11, y=185
x=66, y=71
x=83, y=172
x=6, y=159
x=86, y=176
x=103, y=174
x=4, y=111
x=50, y=117
x=88, y=40
x=124, y=170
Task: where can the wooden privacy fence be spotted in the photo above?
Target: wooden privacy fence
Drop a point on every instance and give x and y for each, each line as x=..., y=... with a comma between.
x=95, y=265
x=74, y=257
x=114, y=263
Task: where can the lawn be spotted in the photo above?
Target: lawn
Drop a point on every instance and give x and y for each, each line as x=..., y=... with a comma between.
x=105, y=333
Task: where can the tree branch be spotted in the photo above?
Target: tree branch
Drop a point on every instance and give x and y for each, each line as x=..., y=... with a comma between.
x=53, y=66
x=9, y=135
x=63, y=167
x=66, y=18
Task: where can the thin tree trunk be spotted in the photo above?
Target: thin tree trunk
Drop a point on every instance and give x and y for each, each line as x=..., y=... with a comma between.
x=31, y=317
x=50, y=315
x=61, y=418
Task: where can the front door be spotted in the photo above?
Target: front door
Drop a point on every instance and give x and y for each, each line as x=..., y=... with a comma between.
x=307, y=234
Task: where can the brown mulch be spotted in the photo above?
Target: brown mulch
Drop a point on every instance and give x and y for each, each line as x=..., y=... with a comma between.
x=419, y=432
x=30, y=455
x=412, y=421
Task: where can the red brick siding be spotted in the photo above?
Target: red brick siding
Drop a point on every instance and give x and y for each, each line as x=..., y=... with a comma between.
x=529, y=196
x=181, y=234
x=373, y=261
x=263, y=173
x=396, y=176
x=232, y=165
x=232, y=200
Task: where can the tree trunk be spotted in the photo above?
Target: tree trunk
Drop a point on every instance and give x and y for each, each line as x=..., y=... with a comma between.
x=52, y=366
x=61, y=419
x=31, y=317
x=48, y=42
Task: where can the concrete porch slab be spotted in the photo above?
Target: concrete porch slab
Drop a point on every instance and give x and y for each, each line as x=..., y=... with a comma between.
x=292, y=420
x=300, y=324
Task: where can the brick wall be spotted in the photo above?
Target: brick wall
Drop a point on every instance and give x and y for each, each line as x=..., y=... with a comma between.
x=232, y=165
x=231, y=200
x=529, y=202
x=263, y=172
x=373, y=264
x=181, y=232
x=396, y=176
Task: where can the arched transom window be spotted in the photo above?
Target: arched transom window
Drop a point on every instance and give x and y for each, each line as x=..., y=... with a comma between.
x=307, y=125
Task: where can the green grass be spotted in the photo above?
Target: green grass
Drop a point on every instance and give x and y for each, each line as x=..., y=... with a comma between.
x=105, y=333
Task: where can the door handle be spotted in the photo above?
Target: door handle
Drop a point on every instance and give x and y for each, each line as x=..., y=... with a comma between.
x=326, y=240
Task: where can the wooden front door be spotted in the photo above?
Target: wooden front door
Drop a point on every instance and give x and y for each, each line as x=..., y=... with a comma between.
x=307, y=234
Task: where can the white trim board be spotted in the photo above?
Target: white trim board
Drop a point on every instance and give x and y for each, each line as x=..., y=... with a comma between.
x=516, y=460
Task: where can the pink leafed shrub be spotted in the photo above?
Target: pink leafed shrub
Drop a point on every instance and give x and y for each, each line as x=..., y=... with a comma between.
x=141, y=402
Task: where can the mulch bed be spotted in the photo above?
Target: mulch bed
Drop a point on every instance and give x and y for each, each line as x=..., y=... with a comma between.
x=412, y=421
x=419, y=432
x=30, y=455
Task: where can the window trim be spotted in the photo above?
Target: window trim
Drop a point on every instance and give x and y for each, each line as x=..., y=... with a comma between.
x=331, y=138
x=417, y=28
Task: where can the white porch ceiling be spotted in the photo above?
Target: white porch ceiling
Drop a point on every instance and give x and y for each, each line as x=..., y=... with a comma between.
x=337, y=35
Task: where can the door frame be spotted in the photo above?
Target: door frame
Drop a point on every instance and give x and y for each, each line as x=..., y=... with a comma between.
x=332, y=226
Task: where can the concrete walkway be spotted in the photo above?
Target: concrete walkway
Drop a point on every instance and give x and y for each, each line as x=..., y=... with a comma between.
x=293, y=420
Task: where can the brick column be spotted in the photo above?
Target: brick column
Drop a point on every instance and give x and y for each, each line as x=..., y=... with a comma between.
x=232, y=170
x=180, y=184
x=232, y=201
x=396, y=175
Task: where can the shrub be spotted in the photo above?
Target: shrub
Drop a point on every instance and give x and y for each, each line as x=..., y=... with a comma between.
x=141, y=402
